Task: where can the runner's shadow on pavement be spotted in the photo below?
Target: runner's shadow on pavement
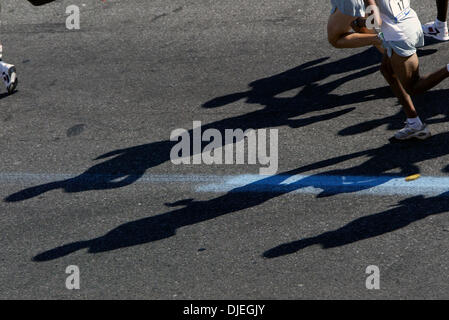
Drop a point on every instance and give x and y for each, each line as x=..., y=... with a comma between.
x=123, y=167
x=405, y=213
x=40, y=2
x=314, y=96
x=429, y=41
x=6, y=95
x=429, y=105
x=401, y=158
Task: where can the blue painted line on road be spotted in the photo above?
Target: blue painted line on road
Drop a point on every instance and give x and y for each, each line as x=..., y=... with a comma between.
x=307, y=184
x=321, y=184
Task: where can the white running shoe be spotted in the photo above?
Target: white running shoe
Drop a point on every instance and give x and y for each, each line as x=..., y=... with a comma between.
x=409, y=132
x=9, y=76
x=431, y=30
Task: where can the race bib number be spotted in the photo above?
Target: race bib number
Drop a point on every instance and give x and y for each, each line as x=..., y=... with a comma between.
x=400, y=9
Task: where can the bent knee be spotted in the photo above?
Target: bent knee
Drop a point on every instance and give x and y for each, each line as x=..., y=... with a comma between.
x=333, y=37
x=333, y=41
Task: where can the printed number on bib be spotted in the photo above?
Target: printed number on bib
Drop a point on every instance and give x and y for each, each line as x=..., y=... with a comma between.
x=400, y=9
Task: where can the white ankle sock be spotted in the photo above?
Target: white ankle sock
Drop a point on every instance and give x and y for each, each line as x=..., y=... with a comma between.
x=440, y=24
x=414, y=122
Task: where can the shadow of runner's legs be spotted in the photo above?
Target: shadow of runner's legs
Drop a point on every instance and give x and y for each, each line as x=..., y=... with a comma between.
x=409, y=211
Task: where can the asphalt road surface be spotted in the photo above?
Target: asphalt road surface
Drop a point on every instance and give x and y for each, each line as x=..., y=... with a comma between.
x=86, y=177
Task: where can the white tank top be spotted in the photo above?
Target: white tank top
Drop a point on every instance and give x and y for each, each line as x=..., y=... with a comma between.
x=399, y=20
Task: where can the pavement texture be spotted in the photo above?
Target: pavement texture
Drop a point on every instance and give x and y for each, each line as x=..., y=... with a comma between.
x=86, y=177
